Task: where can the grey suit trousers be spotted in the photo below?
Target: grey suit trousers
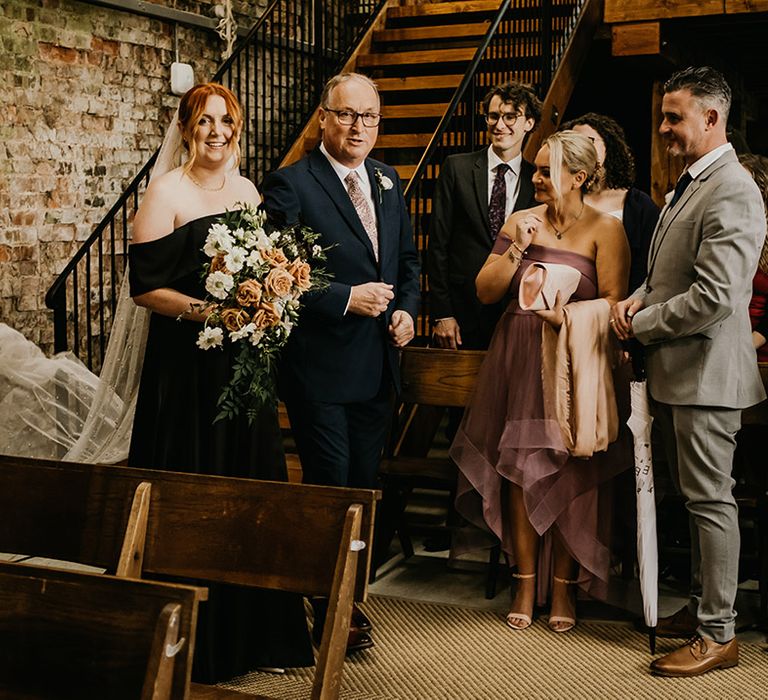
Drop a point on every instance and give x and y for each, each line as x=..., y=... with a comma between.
x=699, y=443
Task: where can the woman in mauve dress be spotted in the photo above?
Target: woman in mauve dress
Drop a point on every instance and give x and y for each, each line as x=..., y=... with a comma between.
x=517, y=477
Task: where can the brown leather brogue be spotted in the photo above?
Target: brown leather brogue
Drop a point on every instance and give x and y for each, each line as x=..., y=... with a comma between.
x=680, y=624
x=698, y=655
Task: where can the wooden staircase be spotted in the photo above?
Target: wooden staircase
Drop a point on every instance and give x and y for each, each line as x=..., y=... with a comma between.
x=419, y=55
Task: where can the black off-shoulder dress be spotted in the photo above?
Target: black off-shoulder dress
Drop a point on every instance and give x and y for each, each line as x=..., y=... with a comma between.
x=240, y=629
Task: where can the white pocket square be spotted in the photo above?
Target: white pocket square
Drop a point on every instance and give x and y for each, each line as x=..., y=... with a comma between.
x=541, y=282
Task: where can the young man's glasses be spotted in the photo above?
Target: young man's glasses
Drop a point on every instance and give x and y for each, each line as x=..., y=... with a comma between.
x=509, y=118
x=348, y=118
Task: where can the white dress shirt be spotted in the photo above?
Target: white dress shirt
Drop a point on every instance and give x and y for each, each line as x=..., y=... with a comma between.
x=512, y=177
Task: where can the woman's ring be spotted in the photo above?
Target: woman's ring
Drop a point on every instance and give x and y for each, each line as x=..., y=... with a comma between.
x=611, y=321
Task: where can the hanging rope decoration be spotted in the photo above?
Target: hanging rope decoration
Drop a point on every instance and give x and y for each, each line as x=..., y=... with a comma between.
x=227, y=27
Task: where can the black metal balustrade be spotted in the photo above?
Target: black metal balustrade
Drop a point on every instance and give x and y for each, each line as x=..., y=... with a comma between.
x=277, y=72
x=524, y=42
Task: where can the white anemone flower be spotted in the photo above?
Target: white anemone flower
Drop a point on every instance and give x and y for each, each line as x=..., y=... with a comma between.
x=210, y=338
x=235, y=259
x=218, y=284
x=219, y=240
x=254, y=259
x=247, y=329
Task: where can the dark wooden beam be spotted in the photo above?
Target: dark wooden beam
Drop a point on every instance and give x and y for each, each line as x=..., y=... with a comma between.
x=635, y=10
x=734, y=6
x=665, y=169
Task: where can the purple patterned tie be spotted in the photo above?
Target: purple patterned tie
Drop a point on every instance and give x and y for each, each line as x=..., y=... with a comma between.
x=363, y=210
x=498, y=205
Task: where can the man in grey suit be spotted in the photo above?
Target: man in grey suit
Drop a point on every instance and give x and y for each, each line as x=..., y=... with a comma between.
x=691, y=316
x=474, y=195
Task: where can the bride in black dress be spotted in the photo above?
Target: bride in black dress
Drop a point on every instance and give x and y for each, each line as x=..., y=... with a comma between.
x=240, y=629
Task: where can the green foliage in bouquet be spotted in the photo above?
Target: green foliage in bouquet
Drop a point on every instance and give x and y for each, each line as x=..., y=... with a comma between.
x=254, y=282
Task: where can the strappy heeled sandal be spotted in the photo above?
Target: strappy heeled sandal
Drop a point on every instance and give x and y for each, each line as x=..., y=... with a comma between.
x=517, y=616
x=570, y=622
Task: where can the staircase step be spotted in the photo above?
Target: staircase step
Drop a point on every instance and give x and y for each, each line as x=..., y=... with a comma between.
x=444, y=8
x=445, y=31
x=405, y=58
x=403, y=141
x=414, y=111
x=419, y=82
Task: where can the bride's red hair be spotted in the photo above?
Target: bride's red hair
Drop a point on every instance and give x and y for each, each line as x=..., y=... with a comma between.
x=192, y=107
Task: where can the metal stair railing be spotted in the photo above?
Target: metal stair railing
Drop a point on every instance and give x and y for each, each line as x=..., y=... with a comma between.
x=525, y=41
x=277, y=71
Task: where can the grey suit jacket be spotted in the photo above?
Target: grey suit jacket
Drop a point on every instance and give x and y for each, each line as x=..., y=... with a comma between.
x=695, y=324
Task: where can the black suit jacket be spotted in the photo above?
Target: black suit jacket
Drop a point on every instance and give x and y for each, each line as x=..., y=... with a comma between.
x=332, y=356
x=460, y=242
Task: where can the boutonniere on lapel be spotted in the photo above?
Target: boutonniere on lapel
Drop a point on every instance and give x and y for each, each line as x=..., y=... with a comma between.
x=382, y=181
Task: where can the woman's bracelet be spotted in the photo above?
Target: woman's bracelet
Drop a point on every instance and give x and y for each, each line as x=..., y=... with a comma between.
x=514, y=257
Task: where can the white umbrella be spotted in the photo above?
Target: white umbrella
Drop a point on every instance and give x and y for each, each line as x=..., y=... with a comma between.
x=639, y=423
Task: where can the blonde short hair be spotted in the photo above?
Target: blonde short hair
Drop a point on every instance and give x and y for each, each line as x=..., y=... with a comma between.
x=575, y=152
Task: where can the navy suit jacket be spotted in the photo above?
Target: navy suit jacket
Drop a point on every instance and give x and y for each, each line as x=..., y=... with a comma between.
x=332, y=356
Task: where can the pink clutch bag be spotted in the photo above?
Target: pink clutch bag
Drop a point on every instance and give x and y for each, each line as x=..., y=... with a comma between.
x=542, y=281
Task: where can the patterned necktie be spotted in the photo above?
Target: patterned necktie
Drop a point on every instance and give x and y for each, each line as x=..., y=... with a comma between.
x=363, y=210
x=680, y=187
x=497, y=207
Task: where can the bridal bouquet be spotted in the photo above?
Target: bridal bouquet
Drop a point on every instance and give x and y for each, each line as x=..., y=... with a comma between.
x=254, y=282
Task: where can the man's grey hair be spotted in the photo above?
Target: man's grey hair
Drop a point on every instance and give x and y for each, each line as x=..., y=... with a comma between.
x=340, y=78
x=706, y=84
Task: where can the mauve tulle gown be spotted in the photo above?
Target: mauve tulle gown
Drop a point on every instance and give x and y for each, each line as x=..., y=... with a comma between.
x=505, y=436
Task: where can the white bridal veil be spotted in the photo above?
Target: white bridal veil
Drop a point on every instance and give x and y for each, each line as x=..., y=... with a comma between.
x=55, y=407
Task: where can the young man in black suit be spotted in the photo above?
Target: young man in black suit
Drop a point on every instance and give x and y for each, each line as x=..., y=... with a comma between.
x=340, y=365
x=475, y=194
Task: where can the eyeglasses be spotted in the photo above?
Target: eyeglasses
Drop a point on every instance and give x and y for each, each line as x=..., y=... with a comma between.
x=509, y=118
x=348, y=118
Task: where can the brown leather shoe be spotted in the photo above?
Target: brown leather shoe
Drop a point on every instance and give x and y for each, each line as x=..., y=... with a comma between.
x=698, y=655
x=681, y=624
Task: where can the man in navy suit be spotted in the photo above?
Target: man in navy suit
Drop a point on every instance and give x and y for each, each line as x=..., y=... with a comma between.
x=340, y=365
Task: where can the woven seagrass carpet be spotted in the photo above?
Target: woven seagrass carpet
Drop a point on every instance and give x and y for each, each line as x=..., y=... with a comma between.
x=426, y=651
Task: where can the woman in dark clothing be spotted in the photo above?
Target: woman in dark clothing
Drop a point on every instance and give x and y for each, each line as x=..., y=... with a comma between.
x=616, y=194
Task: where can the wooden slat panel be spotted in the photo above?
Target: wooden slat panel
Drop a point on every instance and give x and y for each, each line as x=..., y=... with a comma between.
x=407, y=58
x=633, y=10
x=446, y=31
x=444, y=8
x=414, y=111
x=418, y=82
x=639, y=39
x=403, y=140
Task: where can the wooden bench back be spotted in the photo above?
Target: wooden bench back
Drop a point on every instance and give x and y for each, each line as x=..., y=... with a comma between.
x=240, y=531
x=66, y=634
x=435, y=377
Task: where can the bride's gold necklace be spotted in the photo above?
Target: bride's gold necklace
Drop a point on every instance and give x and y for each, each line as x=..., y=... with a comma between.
x=195, y=181
x=560, y=232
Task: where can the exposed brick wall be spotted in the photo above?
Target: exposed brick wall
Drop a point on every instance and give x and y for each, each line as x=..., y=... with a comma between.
x=85, y=97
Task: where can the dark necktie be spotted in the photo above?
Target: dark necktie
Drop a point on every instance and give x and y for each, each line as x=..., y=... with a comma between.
x=682, y=183
x=498, y=204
